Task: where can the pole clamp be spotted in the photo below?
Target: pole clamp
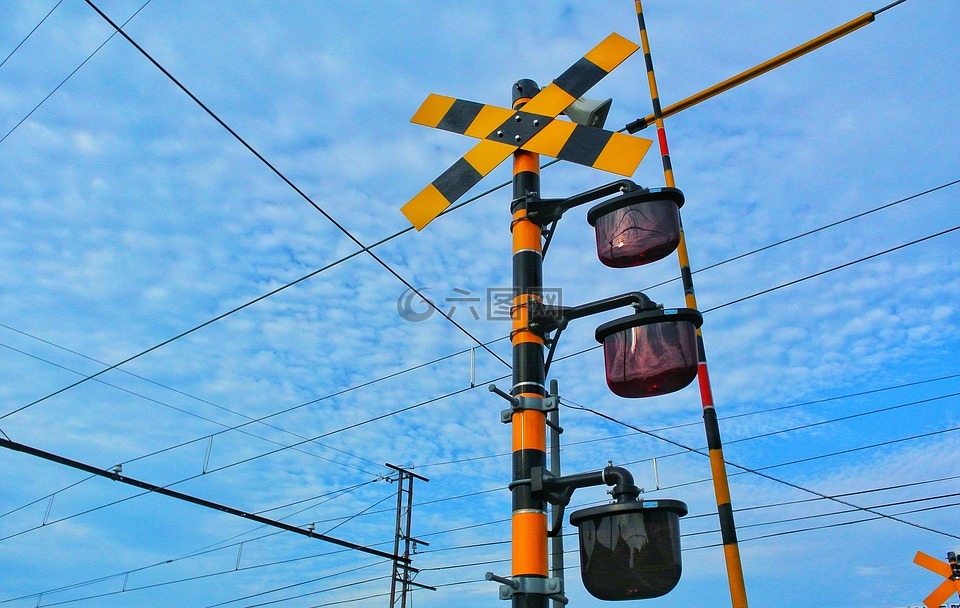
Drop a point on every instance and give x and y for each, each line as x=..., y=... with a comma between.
x=530, y=585
x=546, y=404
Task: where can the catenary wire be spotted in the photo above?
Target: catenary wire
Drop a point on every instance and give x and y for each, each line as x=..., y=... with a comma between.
x=828, y=270
x=364, y=248
x=743, y=471
x=27, y=37
x=569, y=444
x=901, y=0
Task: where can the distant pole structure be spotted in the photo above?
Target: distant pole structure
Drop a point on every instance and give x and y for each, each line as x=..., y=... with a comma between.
x=403, y=573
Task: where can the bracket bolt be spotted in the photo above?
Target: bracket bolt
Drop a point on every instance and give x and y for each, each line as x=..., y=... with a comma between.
x=517, y=137
x=499, y=133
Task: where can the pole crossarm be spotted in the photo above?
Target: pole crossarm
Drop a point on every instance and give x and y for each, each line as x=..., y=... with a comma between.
x=116, y=476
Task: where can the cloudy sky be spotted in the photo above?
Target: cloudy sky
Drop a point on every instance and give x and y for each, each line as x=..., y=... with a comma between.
x=130, y=218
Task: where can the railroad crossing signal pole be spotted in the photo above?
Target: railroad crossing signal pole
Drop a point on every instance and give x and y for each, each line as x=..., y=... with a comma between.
x=529, y=515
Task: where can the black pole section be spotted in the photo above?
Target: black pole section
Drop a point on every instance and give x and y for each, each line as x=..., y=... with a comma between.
x=19, y=447
x=529, y=514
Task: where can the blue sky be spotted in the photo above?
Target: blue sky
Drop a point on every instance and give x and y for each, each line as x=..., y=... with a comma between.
x=130, y=216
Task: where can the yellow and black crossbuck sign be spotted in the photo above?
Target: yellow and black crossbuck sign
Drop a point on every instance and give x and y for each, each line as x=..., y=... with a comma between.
x=536, y=128
x=948, y=569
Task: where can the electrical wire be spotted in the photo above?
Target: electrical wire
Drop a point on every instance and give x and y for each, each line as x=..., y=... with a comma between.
x=456, y=392
x=770, y=477
x=70, y=75
x=368, y=250
x=478, y=545
x=829, y=270
x=27, y=37
x=379, y=417
x=287, y=181
x=212, y=548
x=225, y=426
x=928, y=191
x=688, y=483
x=888, y=250
x=778, y=408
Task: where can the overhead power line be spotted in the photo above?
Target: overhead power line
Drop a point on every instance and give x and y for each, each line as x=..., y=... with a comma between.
x=69, y=76
x=166, y=491
x=206, y=550
x=226, y=427
x=27, y=37
x=284, y=178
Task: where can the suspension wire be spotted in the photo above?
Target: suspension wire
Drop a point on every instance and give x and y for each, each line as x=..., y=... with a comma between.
x=391, y=413
x=373, y=419
x=443, y=549
x=310, y=593
x=450, y=209
x=27, y=37
x=196, y=578
x=363, y=248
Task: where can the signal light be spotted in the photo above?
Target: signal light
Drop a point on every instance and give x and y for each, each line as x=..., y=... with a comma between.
x=630, y=550
x=650, y=353
x=637, y=227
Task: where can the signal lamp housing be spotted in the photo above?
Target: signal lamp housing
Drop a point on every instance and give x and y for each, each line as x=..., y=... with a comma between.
x=650, y=353
x=630, y=550
x=637, y=227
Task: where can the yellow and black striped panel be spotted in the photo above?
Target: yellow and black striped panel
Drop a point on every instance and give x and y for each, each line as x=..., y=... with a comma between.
x=590, y=146
x=455, y=181
x=473, y=119
x=597, y=148
x=581, y=76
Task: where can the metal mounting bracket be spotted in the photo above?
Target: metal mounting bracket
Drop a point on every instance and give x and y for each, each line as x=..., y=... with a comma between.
x=543, y=404
x=550, y=587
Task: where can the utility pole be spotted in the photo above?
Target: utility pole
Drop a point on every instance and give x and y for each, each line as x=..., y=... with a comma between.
x=403, y=572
